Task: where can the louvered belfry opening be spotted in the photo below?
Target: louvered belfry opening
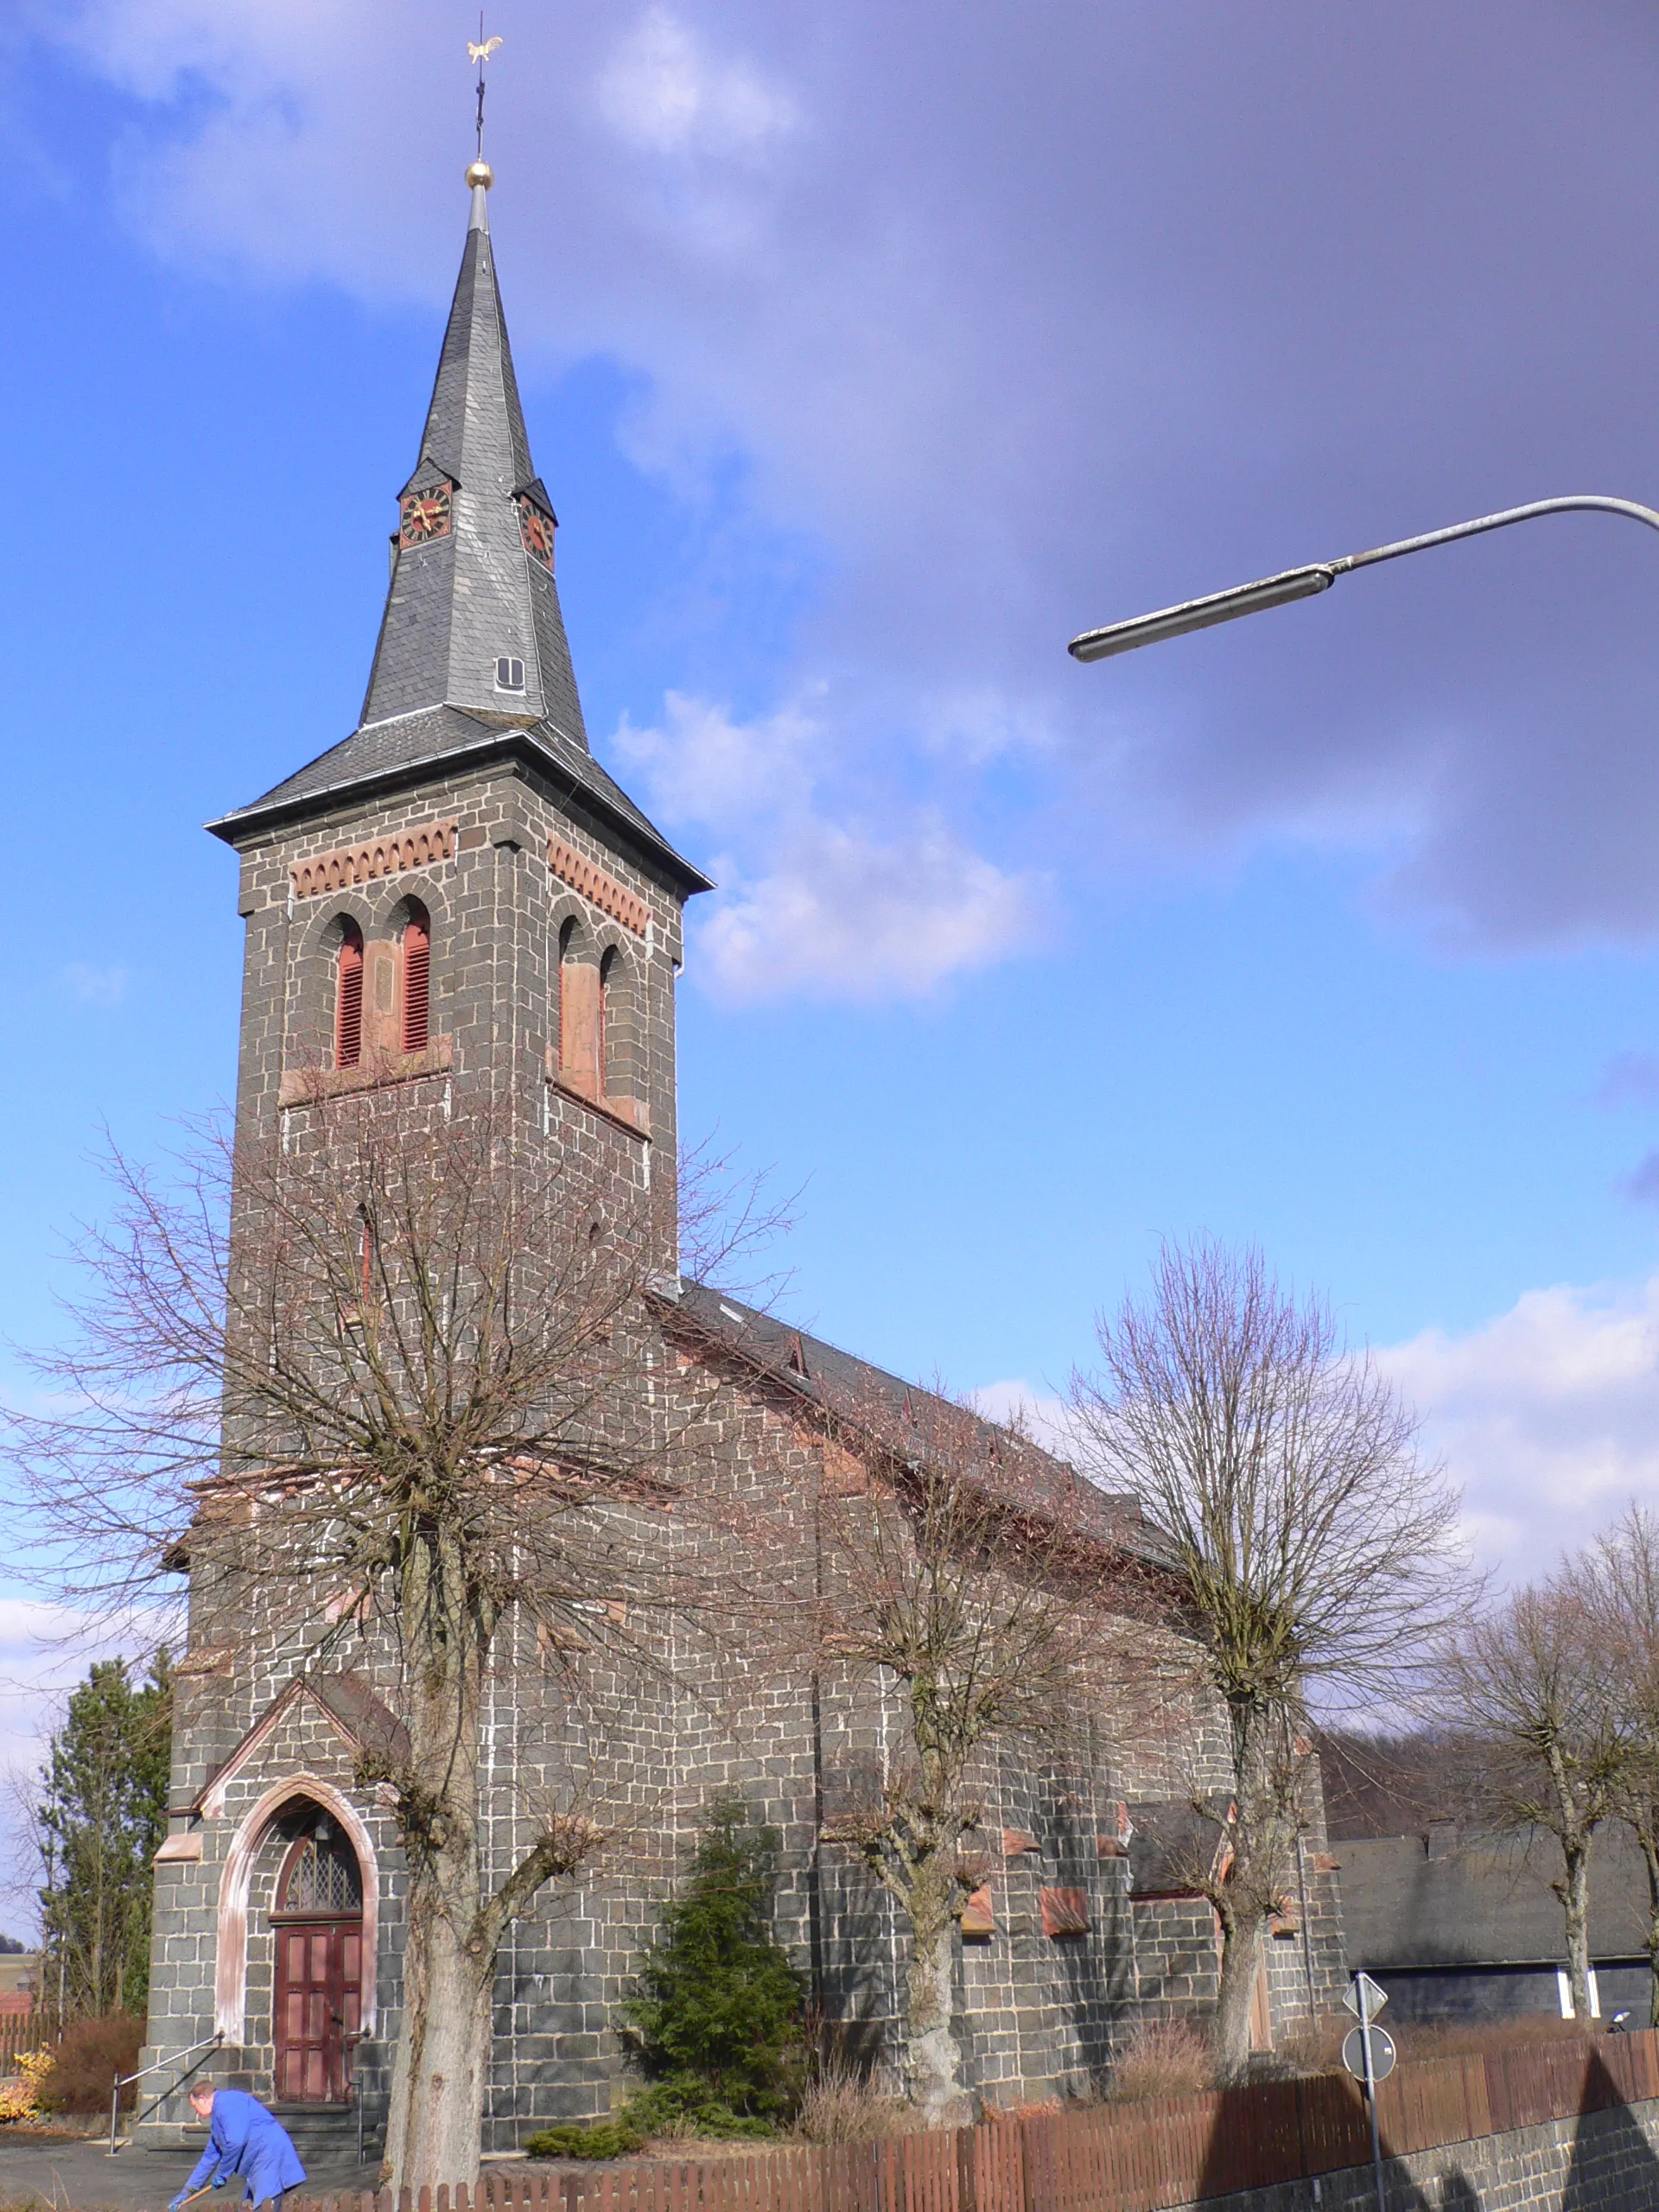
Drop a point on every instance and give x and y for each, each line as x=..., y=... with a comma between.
x=348, y=998
x=601, y=1081
x=418, y=979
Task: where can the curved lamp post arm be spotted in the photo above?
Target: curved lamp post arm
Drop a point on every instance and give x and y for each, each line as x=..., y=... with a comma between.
x=1319, y=575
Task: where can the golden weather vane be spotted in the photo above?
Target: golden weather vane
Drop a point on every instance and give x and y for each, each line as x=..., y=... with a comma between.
x=481, y=53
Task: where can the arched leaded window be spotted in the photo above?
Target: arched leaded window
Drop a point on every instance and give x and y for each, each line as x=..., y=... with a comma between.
x=320, y=1878
x=418, y=978
x=348, y=997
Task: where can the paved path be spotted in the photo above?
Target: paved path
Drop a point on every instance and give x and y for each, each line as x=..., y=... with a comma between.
x=83, y=2174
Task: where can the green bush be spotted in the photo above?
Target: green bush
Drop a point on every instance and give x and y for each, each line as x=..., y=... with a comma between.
x=715, y=2010
x=597, y=2138
x=665, y=2109
x=716, y=2006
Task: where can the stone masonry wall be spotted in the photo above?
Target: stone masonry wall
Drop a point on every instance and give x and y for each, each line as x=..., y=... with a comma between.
x=1601, y=2162
x=646, y=1743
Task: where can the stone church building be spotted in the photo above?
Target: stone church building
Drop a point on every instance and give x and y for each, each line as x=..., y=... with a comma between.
x=459, y=892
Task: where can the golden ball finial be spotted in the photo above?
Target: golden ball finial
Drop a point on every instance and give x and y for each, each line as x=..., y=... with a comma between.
x=480, y=173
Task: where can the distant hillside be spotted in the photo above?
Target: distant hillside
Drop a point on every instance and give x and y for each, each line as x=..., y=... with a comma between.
x=1387, y=1785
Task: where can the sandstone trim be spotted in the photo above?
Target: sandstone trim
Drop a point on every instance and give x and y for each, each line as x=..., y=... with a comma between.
x=604, y=891
x=390, y=855
x=309, y=1086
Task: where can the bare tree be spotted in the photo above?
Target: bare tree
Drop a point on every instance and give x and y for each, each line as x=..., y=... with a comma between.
x=962, y=1577
x=1615, y=1582
x=389, y=1373
x=1548, y=1737
x=1312, y=1542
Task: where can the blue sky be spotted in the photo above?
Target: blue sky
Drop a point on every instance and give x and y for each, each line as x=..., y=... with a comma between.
x=865, y=365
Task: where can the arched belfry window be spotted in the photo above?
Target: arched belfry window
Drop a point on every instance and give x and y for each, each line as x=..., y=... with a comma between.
x=348, y=997
x=418, y=978
x=581, y=1017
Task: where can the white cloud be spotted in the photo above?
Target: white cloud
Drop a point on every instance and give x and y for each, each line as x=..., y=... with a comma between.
x=845, y=917
x=96, y=986
x=1036, y=323
x=703, y=767
x=45, y=1649
x=664, y=91
x=1547, y=1417
x=810, y=905
x=1043, y=1417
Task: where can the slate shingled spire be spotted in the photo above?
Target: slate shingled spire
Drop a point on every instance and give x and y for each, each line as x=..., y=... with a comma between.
x=472, y=662
x=476, y=595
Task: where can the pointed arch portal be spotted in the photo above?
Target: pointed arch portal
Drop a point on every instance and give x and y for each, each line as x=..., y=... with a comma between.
x=230, y=1984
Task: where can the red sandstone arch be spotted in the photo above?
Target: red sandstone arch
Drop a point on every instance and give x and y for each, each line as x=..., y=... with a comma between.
x=231, y=1977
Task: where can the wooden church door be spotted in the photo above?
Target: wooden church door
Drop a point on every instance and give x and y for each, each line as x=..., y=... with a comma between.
x=318, y=1926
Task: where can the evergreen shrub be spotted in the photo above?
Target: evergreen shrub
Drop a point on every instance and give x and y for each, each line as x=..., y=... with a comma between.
x=715, y=2012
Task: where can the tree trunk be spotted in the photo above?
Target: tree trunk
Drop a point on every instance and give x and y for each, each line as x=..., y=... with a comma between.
x=441, y=2067
x=1241, y=1963
x=1575, y=1907
x=441, y=2064
x=933, y=2060
x=1649, y=1840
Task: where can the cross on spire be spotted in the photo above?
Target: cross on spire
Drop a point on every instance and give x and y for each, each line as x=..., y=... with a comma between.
x=481, y=53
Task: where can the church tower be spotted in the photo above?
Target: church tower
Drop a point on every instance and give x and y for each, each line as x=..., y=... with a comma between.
x=457, y=894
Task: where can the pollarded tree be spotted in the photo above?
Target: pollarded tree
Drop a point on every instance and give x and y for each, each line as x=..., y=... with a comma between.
x=1313, y=1545
x=960, y=1581
x=1550, y=1735
x=415, y=1394
x=1616, y=1581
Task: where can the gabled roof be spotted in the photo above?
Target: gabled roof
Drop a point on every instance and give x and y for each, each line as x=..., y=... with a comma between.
x=837, y=1382
x=346, y=1700
x=1428, y=1900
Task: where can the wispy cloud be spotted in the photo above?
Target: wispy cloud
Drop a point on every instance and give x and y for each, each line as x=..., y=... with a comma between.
x=666, y=90
x=813, y=905
x=1037, y=324
x=1548, y=1416
x=96, y=986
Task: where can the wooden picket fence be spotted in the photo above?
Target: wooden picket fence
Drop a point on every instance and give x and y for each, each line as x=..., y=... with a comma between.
x=1128, y=2157
x=20, y=2030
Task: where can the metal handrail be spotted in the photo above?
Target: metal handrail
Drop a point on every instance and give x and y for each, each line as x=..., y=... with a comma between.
x=122, y=2081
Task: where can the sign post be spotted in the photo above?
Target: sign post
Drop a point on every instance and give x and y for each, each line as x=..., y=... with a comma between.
x=1373, y=2061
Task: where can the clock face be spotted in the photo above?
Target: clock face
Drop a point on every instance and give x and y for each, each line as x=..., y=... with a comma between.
x=535, y=529
x=425, y=515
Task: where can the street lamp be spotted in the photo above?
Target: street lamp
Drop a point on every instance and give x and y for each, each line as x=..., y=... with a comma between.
x=1319, y=575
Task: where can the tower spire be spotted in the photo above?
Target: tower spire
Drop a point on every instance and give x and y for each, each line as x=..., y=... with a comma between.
x=472, y=660
x=472, y=620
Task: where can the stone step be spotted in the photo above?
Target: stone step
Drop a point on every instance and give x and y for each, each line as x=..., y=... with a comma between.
x=327, y=2133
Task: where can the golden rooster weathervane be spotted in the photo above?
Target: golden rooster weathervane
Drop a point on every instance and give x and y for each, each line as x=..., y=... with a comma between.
x=481, y=53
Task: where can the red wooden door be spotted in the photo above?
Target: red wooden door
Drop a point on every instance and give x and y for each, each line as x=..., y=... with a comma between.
x=319, y=2001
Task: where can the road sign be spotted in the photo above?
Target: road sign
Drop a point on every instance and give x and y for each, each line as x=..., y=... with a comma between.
x=1383, y=2053
x=1365, y=1998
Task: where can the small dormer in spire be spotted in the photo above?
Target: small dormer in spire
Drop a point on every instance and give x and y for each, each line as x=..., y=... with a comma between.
x=472, y=618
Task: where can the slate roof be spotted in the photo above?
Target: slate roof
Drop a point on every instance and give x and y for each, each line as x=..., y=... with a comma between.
x=824, y=1376
x=460, y=602
x=1483, y=1901
x=349, y=1699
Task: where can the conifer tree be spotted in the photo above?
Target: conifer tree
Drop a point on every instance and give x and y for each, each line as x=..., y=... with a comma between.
x=717, y=2003
x=101, y=1817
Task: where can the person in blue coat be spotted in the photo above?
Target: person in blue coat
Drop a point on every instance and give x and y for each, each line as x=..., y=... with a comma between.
x=244, y=2139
